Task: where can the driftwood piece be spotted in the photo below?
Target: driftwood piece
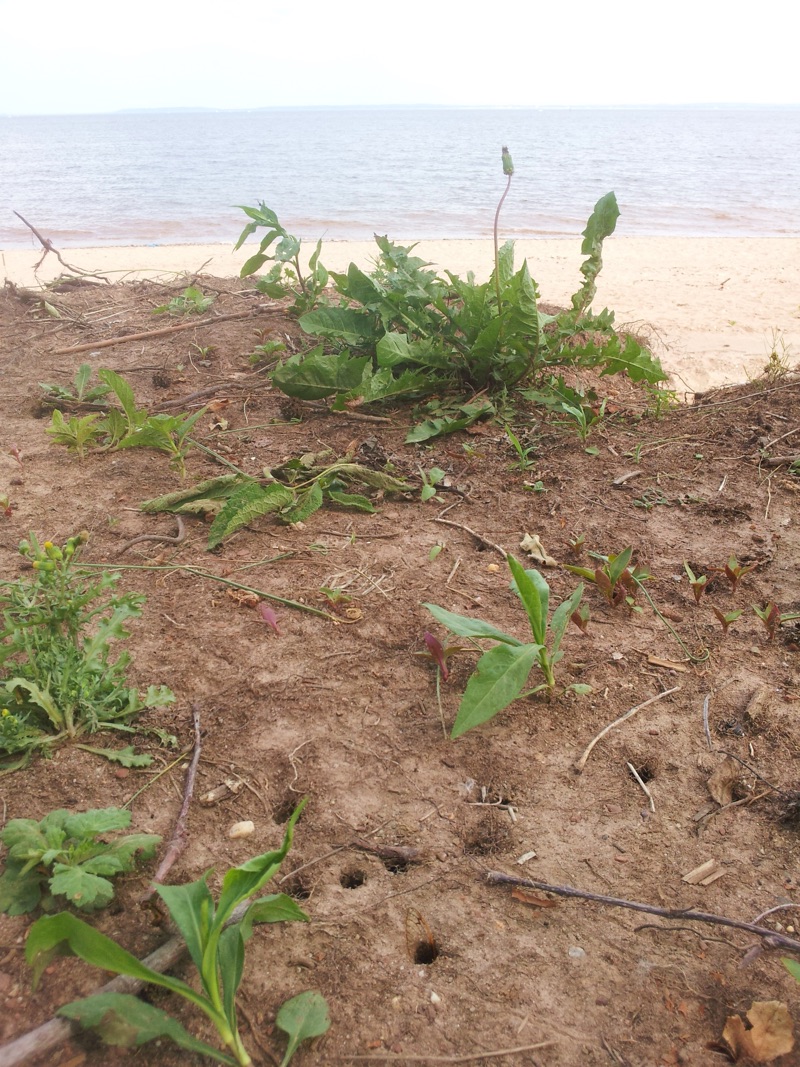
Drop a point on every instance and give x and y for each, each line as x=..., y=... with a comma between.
x=48, y=247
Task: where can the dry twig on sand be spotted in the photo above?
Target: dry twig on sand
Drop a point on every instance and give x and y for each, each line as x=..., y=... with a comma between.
x=48, y=246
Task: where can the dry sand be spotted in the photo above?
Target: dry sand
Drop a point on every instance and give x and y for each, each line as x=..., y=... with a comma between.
x=713, y=307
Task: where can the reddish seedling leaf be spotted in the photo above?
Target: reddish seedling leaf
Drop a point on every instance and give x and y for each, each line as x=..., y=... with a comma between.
x=438, y=653
x=269, y=616
x=16, y=453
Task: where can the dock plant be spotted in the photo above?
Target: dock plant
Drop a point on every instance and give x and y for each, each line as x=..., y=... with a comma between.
x=501, y=674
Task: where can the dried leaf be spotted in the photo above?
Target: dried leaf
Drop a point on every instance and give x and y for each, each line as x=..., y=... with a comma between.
x=771, y=1034
x=722, y=781
x=526, y=897
x=531, y=544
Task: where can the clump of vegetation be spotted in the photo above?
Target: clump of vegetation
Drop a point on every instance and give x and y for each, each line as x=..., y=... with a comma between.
x=58, y=677
x=403, y=331
x=192, y=301
x=502, y=673
x=216, y=932
x=63, y=855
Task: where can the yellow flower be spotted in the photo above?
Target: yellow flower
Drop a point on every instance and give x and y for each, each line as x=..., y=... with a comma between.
x=5, y=712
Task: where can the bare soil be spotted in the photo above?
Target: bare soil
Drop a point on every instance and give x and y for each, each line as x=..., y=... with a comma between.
x=425, y=959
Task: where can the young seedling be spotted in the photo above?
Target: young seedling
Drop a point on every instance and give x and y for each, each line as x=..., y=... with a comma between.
x=580, y=617
x=727, y=617
x=192, y=301
x=772, y=617
x=439, y=653
x=77, y=433
x=430, y=481
x=697, y=583
x=735, y=571
x=576, y=544
x=62, y=856
x=501, y=673
x=616, y=579
x=216, y=933
x=525, y=453
x=80, y=393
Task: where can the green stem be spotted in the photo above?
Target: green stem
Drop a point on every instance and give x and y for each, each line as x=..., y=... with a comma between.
x=695, y=659
x=496, y=245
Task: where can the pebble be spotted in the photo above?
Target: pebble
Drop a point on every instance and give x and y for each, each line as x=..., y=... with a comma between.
x=576, y=952
x=242, y=829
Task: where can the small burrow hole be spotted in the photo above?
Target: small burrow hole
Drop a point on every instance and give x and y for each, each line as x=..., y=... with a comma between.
x=646, y=770
x=297, y=888
x=426, y=952
x=394, y=865
x=352, y=878
x=284, y=809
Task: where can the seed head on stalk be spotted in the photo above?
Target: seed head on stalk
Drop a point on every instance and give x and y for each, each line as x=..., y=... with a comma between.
x=508, y=170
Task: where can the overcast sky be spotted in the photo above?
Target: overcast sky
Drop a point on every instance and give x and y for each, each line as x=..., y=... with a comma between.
x=97, y=55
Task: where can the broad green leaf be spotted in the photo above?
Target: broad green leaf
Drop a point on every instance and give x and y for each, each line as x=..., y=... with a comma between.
x=377, y=479
x=243, y=881
x=601, y=224
x=618, y=564
x=41, y=697
x=319, y=375
x=191, y=908
x=348, y=326
x=464, y=626
x=106, y=864
x=276, y=908
x=123, y=392
x=534, y=593
x=19, y=893
x=65, y=934
x=98, y=821
x=82, y=889
x=635, y=361
x=303, y=1017
x=793, y=967
x=351, y=500
x=122, y=1019
x=561, y=617
x=230, y=953
x=245, y=505
x=127, y=847
x=309, y=502
x=499, y=678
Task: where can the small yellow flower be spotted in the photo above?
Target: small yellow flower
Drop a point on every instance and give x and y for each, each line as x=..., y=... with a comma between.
x=48, y=544
x=5, y=713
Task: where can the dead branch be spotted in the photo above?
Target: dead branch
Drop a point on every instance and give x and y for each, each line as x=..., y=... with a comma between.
x=478, y=537
x=582, y=761
x=401, y=1057
x=770, y=937
x=161, y=538
x=48, y=246
x=180, y=836
x=162, y=332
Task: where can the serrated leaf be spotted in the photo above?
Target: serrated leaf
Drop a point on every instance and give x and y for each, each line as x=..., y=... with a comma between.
x=246, y=504
x=499, y=678
x=351, y=500
x=635, y=361
x=318, y=375
x=82, y=889
x=124, y=1020
x=302, y=1018
x=97, y=821
x=127, y=756
x=309, y=502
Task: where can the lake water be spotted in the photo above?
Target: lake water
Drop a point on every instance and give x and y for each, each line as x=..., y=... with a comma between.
x=174, y=178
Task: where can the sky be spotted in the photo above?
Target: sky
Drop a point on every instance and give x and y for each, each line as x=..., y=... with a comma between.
x=100, y=56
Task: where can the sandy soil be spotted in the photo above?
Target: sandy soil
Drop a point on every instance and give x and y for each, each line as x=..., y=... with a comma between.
x=715, y=307
x=426, y=960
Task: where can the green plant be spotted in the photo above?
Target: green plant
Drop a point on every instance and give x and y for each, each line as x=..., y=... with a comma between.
x=128, y=427
x=192, y=301
x=734, y=571
x=80, y=393
x=265, y=355
x=525, y=453
x=726, y=617
x=278, y=281
x=581, y=409
x=508, y=170
x=616, y=578
x=63, y=856
x=502, y=672
x=773, y=618
x=216, y=933
x=698, y=583
x=292, y=492
x=57, y=676
x=429, y=482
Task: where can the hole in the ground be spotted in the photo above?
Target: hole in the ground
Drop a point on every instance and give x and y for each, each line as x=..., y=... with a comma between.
x=426, y=952
x=284, y=809
x=297, y=888
x=646, y=771
x=394, y=865
x=352, y=878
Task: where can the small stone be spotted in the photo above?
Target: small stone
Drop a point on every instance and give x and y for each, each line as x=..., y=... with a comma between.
x=435, y=998
x=121, y=772
x=576, y=952
x=493, y=568
x=242, y=829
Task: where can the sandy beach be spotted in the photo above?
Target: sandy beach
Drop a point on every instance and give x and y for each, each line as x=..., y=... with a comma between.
x=712, y=307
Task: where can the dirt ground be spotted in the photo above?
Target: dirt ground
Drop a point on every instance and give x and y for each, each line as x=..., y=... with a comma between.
x=425, y=960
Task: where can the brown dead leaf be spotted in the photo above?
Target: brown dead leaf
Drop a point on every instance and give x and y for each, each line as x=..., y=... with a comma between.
x=217, y=405
x=241, y=596
x=526, y=897
x=722, y=781
x=771, y=1033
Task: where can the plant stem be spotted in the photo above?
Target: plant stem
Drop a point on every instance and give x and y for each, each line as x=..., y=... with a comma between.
x=496, y=245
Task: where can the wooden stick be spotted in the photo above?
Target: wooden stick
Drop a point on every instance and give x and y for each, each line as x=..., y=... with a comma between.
x=400, y=1057
x=146, y=334
x=582, y=761
x=771, y=937
x=478, y=537
x=180, y=836
x=48, y=246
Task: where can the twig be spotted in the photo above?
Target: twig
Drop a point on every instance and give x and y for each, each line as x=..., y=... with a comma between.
x=644, y=788
x=772, y=939
x=769, y=911
x=164, y=538
x=400, y=1057
x=146, y=334
x=180, y=836
x=705, y=721
x=478, y=537
x=48, y=246
x=582, y=761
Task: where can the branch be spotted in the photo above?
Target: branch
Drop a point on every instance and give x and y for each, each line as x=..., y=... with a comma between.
x=771, y=938
x=582, y=761
x=146, y=334
x=48, y=246
x=180, y=836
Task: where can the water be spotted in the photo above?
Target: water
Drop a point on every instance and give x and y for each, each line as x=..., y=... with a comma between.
x=173, y=178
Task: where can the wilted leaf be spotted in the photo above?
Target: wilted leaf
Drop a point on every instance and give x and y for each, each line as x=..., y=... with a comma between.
x=722, y=781
x=524, y=896
x=771, y=1034
x=531, y=544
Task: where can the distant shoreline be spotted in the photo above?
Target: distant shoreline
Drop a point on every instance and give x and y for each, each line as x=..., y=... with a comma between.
x=713, y=307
